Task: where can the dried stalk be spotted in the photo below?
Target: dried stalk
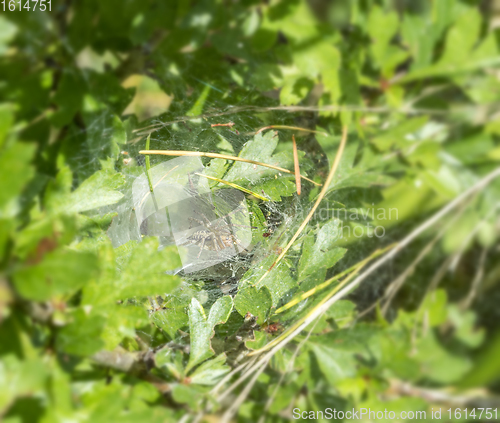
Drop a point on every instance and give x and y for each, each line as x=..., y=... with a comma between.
x=235, y=186
x=345, y=290
x=296, y=128
x=316, y=204
x=220, y=156
x=296, y=166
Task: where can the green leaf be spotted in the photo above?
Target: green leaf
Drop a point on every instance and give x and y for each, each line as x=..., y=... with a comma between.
x=461, y=52
x=83, y=335
x=140, y=270
x=122, y=319
x=259, y=149
x=190, y=395
x=7, y=32
x=382, y=27
x=465, y=323
x=258, y=302
x=336, y=352
x=172, y=318
x=144, y=270
x=211, y=371
x=197, y=108
x=398, y=135
x=433, y=308
x=295, y=89
x=486, y=368
x=342, y=311
x=420, y=35
x=15, y=171
x=61, y=272
x=319, y=253
x=69, y=97
x=461, y=38
x=202, y=328
x=364, y=174
x=97, y=191
x=439, y=365
x=276, y=188
x=6, y=116
x=21, y=378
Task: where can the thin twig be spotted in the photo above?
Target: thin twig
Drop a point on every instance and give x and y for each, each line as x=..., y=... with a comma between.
x=471, y=234
x=393, y=252
x=293, y=109
x=478, y=278
x=475, y=398
x=393, y=288
x=380, y=262
x=289, y=368
x=221, y=383
x=148, y=165
x=296, y=165
x=326, y=283
x=229, y=375
x=323, y=192
x=248, y=371
x=229, y=125
x=296, y=128
x=357, y=267
x=226, y=418
x=220, y=156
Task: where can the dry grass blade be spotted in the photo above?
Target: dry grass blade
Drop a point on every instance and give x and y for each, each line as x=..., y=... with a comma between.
x=316, y=204
x=393, y=288
x=261, y=366
x=222, y=181
x=476, y=282
x=357, y=267
x=296, y=166
x=295, y=128
x=391, y=254
x=229, y=125
x=345, y=289
x=220, y=156
x=148, y=165
x=328, y=282
x=289, y=368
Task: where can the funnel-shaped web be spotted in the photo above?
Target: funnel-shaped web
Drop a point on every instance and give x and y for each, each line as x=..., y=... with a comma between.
x=208, y=227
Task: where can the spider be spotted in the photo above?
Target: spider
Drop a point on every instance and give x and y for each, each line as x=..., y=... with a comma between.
x=215, y=236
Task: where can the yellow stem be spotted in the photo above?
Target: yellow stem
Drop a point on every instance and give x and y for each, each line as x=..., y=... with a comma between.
x=233, y=186
x=337, y=288
x=296, y=128
x=296, y=165
x=220, y=156
x=316, y=204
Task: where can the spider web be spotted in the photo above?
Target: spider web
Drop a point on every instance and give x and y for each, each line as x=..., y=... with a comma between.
x=216, y=271
x=195, y=122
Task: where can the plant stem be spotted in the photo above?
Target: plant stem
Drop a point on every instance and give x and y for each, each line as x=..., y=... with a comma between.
x=220, y=156
x=323, y=192
x=148, y=165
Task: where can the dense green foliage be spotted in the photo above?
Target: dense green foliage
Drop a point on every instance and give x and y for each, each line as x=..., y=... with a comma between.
x=93, y=333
